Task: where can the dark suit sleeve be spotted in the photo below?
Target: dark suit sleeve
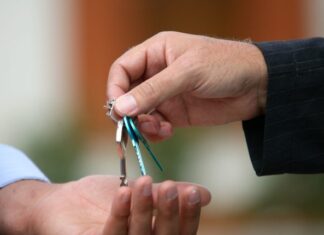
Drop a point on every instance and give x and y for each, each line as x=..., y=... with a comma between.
x=290, y=137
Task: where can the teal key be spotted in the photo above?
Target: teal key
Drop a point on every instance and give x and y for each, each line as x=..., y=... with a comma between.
x=135, y=137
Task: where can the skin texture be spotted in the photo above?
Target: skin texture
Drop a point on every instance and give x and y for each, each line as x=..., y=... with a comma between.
x=97, y=205
x=188, y=80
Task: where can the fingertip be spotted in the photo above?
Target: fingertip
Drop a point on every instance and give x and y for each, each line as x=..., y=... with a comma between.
x=121, y=205
x=146, y=179
x=168, y=190
x=142, y=206
x=205, y=194
x=126, y=105
x=193, y=197
x=124, y=194
x=149, y=127
x=165, y=130
x=157, y=131
x=190, y=210
x=144, y=186
x=117, y=221
x=167, y=217
x=205, y=197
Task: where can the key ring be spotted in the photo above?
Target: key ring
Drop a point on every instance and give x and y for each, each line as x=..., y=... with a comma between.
x=135, y=136
x=110, y=107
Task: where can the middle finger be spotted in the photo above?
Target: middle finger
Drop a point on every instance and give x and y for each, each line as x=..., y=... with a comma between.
x=142, y=207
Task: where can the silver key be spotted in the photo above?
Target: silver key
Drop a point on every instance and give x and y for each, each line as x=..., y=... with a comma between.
x=121, y=141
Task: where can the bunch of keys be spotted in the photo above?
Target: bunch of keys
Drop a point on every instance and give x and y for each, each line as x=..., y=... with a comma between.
x=126, y=127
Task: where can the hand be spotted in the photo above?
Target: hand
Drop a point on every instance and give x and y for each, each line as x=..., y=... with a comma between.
x=188, y=80
x=97, y=205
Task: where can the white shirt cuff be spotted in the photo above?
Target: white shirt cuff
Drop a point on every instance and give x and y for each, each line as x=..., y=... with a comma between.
x=15, y=166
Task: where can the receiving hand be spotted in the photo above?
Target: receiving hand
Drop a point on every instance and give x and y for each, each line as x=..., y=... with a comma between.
x=97, y=205
x=188, y=80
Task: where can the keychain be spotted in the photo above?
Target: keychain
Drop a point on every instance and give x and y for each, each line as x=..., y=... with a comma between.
x=126, y=127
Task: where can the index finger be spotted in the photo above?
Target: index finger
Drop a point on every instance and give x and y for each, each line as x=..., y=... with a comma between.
x=126, y=68
x=117, y=222
x=141, y=61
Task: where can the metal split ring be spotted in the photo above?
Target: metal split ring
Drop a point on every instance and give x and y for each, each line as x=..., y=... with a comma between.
x=110, y=107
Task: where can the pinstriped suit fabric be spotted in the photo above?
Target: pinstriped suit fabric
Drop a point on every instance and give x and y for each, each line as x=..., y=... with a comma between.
x=290, y=137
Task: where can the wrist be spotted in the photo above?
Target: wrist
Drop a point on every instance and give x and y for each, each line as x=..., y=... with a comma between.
x=259, y=74
x=16, y=202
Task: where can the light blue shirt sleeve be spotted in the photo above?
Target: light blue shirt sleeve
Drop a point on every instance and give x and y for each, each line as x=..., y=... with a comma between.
x=15, y=166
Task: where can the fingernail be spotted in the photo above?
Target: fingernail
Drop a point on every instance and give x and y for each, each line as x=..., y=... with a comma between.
x=148, y=127
x=171, y=194
x=194, y=197
x=126, y=104
x=147, y=190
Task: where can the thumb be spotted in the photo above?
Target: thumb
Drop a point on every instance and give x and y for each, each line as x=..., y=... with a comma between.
x=149, y=94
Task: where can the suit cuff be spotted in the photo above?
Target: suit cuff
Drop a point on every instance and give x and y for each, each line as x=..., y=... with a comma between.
x=288, y=138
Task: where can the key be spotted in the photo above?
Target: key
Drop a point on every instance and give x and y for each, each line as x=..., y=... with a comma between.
x=136, y=137
x=134, y=141
x=141, y=138
x=123, y=177
x=121, y=141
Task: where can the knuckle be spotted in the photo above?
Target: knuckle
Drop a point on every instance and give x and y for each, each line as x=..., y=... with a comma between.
x=162, y=34
x=192, y=213
x=115, y=67
x=169, y=211
x=165, y=34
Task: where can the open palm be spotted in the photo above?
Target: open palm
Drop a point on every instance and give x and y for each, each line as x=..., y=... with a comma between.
x=82, y=207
